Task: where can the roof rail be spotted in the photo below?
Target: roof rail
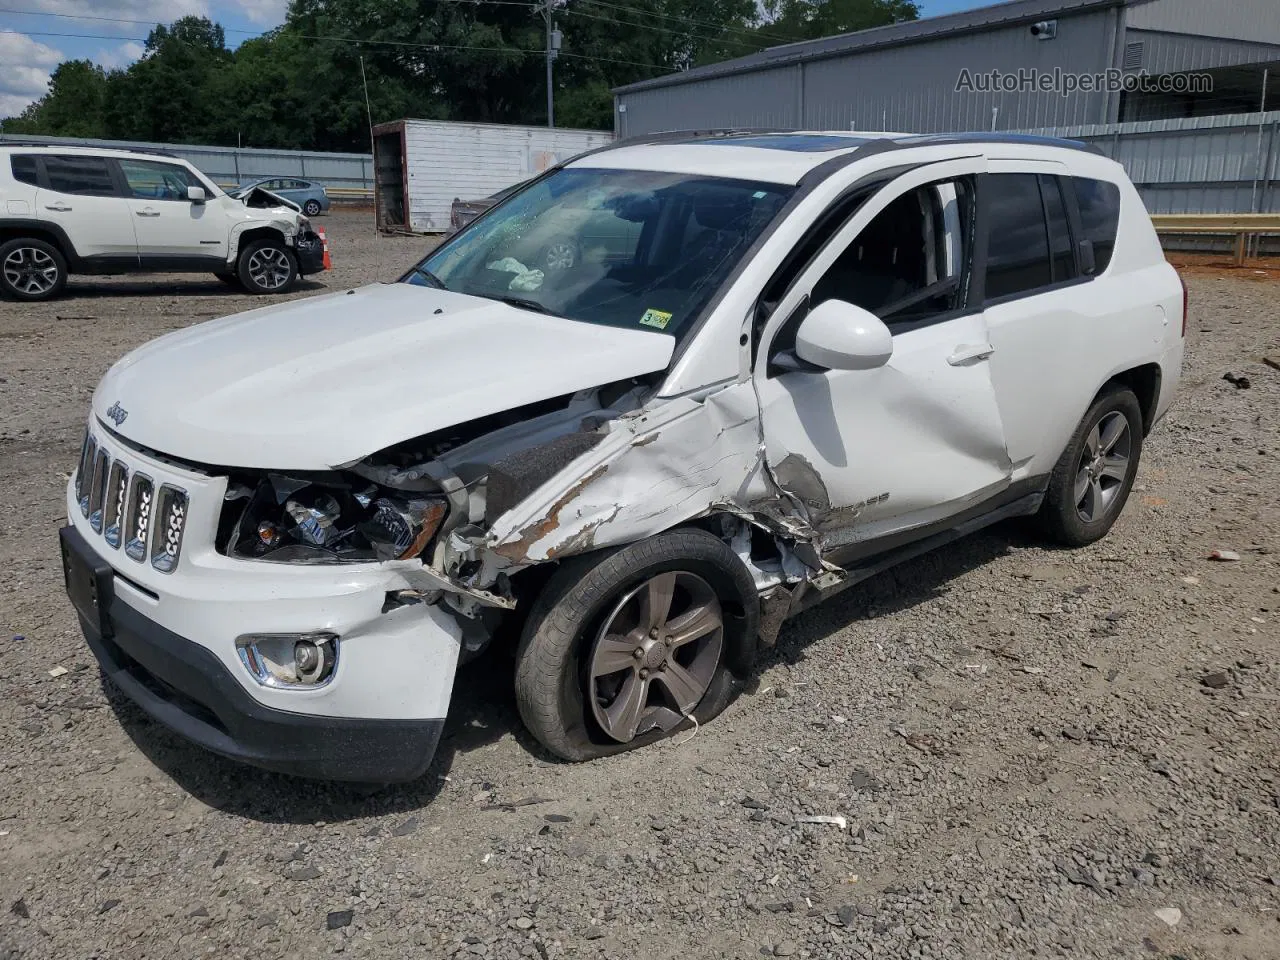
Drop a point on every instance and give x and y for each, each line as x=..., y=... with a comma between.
x=6, y=141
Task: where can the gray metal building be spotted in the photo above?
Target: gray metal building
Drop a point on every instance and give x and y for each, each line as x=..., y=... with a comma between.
x=905, y=77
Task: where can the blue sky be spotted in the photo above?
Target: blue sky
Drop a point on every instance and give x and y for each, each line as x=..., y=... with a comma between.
x=33, y=43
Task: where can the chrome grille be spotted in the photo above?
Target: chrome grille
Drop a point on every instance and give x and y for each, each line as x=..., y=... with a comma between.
x=171, y=515
x=139, y=518
x=117, y=488
x=126, y=507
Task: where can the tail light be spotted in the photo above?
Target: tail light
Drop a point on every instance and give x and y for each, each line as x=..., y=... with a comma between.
x=1183, y=281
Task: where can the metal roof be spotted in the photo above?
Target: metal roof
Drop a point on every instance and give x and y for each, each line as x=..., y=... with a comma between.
x=909, y=31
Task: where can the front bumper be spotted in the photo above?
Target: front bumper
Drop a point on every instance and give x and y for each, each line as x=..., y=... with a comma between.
x=309, y=249
x=185, y=687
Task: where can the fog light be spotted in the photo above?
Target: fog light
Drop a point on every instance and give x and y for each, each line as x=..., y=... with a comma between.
x=301, y=660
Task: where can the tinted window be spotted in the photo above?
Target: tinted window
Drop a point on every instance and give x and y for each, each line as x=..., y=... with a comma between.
x=1099, y=216
x=1018, y=250
x=152, y=180
x=24, y=169
x=911, y=260
x=1064, y=261
x=88, y=176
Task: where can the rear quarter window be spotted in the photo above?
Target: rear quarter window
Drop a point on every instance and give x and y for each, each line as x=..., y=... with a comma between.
x=24, y=169
x=1099, y=202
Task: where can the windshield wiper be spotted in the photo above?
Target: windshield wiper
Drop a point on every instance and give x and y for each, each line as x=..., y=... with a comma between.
x=430, y=277
x=524, y=303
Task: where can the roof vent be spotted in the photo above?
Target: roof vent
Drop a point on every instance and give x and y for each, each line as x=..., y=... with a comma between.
x=1133, y=55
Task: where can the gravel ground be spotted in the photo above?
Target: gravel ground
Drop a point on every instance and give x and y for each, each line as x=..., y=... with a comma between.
x=1037, y=752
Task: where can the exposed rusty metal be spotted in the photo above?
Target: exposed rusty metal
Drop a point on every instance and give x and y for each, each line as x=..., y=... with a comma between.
x=517, y=550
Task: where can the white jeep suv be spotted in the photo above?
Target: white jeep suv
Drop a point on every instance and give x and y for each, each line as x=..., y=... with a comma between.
x=817, y=355
x=67, y=210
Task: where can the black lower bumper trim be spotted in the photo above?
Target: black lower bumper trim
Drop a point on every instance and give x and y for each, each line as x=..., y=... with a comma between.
x=186, y=688
x=309, y=249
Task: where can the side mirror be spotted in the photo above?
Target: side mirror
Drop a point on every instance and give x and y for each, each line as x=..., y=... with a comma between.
x=195, y=194
x=840, y=336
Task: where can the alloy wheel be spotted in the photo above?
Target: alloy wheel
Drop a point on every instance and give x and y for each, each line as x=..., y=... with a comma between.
x=1104, y=465
x=269, y=267
x=656, y=655
x=30, y=271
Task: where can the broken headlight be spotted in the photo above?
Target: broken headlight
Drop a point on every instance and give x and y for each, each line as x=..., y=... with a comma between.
x=291, y=520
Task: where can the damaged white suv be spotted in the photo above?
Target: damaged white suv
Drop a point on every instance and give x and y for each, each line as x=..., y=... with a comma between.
x=769, y=366
x=80, y=210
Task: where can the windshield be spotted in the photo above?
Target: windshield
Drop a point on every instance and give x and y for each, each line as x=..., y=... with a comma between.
x=626, y=248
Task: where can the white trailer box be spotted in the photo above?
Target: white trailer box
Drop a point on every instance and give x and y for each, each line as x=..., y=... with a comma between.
x=424, y=165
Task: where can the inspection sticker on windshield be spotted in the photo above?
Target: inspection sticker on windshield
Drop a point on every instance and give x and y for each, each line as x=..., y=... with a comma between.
x=656, y=318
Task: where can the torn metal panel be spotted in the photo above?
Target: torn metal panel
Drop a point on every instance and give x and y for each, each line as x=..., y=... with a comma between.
x=655, y=470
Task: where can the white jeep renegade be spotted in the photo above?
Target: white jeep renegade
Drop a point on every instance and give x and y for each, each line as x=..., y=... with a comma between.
x=82, y=210
x=775, y=365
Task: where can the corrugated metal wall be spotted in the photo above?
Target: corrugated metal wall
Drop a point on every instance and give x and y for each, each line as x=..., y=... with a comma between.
x=1256, y=20
x=1176, y=53
x=229, y=165
x=894, y=88
x=1226, y=164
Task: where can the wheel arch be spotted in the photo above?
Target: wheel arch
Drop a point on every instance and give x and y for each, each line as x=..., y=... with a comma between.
x=1144, y=380
x=248, y=235
x=50, y=233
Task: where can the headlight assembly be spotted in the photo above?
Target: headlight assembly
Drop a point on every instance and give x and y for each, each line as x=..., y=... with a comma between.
x=290, y=520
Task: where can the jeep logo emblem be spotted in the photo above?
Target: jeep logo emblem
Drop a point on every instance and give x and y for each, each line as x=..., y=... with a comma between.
x=116, y=413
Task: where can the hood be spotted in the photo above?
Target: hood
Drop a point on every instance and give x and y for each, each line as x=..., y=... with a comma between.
x=263, y=199
x=321, y=383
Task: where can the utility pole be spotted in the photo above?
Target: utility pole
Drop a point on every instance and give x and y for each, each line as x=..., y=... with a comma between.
x=553, y=50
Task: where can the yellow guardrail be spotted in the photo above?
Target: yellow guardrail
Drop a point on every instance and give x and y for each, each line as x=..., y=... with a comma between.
x=1240, y=225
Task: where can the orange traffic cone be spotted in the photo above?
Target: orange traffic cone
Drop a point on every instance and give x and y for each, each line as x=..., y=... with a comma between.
x=324, y=241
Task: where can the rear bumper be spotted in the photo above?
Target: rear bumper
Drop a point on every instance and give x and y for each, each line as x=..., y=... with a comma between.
x=185, y=687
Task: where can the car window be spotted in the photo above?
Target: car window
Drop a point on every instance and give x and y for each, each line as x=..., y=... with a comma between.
x=1018, y=246
x=84, y=176
x=1099, y=216
x=24, y=168
x=153, y=180
x=911, y=262
x=1060, y=250
x=627, y=248
x=299, y=185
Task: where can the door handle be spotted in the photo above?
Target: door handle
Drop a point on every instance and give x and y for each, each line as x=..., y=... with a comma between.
x=148, y=213
x=970, y=351
x=57, y=207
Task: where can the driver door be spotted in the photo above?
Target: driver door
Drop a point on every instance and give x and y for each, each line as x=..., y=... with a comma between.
x=171, y=230
x=883, y=456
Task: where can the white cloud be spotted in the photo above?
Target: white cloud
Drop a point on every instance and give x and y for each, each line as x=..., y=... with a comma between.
x=157, y=11
x=269, y=13
x=119, y=56
x=25, y=77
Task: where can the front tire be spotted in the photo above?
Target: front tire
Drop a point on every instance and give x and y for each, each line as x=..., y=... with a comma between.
x=267, y=266
x=623, y=646
x=1092, y=479
x=31, y=270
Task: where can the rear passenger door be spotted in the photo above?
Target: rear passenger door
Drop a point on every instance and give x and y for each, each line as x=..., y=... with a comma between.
x=1050, y=318
x=82, y=196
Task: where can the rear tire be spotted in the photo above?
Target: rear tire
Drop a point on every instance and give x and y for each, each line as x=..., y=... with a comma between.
x=562, y=656
x=267, y=266
x=31, y=270
x=1093, y=477
x=311, y=208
